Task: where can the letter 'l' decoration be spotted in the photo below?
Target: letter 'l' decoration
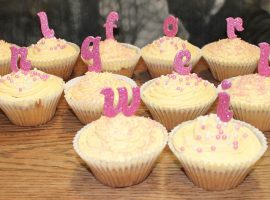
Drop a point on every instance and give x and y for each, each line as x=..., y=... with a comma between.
x=46, y=31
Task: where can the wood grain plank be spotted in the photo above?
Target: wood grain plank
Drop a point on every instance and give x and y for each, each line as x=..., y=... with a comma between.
x=40, y=163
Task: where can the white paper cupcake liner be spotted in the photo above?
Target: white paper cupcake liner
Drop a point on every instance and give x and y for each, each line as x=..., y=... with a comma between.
x=223, y=69
x=121, y=173
x=87, y=114
x=257, y=115
x=5, y=66
x=171, y=117
x=123, y=67
x=32, y=112
x=213, y=176
x=158, y=66
x=61, y=67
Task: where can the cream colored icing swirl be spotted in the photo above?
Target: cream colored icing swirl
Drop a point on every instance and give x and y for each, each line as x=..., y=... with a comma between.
x=5, y=52
x=178, y=91
x=252, y=89
x=31, y=85
x=112, y=50
x=121, y=138
x=50, y=48
x=88, y=88
x=232, y=50
x=167, y=47
x=208, y=139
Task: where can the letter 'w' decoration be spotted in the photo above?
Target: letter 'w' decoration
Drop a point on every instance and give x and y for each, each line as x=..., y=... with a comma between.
x=122, y=105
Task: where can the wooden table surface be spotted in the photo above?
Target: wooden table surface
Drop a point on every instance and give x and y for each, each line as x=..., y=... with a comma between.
x=40, y=163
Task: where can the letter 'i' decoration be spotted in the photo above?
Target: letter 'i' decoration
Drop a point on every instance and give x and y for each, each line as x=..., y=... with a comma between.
x=232, y=25
x=112, y=18
x=46, y=31
x=180, y=65
x=122, y=105
x=93, y=54
x=263, y=66
x=223, y=108
x=25, y=64
x=170, y=26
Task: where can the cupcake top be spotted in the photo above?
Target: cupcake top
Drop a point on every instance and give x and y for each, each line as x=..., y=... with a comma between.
x=51, y=48
x=112, y=50
x=252, y=89
x=121, y=138
x=167, y=47
x=210, y=140
x=89, y=86
x=232, y=50
x=178, y=91
x=32, y=85
x=5, y=52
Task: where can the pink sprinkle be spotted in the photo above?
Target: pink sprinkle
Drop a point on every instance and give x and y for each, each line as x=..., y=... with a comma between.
x=245, y=135
x=205, y=83
x=220, y=131
x=187, y=83
x=198, y=137
x=235, y=147
x=203, y=127
x=237, y=127
x=178, y=88
x=34, y=79
x=199, y=150
x=224, y=137
x=217, y=137
x=187, y=78
x=182, y=148
x=172, y=76
x=213, y=148
x=51, y=48
x=20, y=89
x=219, y=126
x=235, y=142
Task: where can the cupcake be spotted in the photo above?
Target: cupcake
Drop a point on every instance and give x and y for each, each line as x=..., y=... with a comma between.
x=231, y=57
x=250, y=99
x=175, y=98
x=52, y=55
x=121, y=151
x=83, y=93
x=217, y=155
x=118, y=58
x=30, y=98
x=5, y=56
x=159, y=55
